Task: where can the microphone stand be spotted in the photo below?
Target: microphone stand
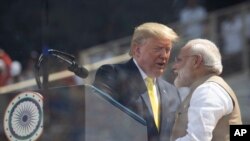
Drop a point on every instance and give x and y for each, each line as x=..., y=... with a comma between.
x=69, y=59
x=45, y=76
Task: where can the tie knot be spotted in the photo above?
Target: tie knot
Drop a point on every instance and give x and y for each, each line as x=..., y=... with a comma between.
x=149, y=82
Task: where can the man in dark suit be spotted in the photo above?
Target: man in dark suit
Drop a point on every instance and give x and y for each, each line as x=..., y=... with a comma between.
x=137, y=85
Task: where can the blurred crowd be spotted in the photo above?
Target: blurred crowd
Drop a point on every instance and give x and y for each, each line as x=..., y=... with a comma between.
x=232, y=31
x=194, y=23
x=9, y=69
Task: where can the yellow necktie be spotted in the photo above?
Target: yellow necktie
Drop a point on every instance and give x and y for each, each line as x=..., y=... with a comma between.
x=153, y=100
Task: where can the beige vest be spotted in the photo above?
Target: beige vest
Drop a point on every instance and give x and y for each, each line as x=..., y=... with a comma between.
x=221, y=131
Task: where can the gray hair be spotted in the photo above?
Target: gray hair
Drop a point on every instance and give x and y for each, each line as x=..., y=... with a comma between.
x=209, y=52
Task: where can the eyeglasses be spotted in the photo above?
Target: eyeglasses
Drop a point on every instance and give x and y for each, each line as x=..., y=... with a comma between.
x=179, y=59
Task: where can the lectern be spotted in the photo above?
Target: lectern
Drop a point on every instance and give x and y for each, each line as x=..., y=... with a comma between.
x=76, y=113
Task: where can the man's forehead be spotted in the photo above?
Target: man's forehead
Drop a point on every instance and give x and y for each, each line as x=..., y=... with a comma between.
x=184, y=50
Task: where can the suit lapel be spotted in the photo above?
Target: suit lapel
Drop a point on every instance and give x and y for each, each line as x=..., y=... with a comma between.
x=146, y=99
x=135, y=80
x=163, y=102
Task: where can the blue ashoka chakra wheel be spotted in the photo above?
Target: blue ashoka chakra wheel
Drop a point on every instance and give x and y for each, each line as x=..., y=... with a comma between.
x=23, y=119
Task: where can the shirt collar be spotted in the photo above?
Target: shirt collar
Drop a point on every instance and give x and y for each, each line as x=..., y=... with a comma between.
x=143, y=74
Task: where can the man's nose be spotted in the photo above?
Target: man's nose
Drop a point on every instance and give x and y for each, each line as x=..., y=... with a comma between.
x=174, y=67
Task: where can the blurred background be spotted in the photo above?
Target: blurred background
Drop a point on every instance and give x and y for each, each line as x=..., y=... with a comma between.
x=98, y=32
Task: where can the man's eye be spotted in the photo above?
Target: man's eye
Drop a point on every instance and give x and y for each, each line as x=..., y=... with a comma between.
x=157, y=49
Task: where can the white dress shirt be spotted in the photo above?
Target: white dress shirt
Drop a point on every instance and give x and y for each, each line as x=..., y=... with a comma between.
x=208, y=104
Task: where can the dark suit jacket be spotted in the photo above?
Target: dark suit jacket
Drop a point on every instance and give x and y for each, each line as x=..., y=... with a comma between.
x=126, y=85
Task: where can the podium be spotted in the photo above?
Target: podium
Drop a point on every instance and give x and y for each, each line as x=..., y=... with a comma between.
x=77, y=113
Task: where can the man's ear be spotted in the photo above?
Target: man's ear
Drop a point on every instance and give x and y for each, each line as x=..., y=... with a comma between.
x=136, y=50
x=198, y=60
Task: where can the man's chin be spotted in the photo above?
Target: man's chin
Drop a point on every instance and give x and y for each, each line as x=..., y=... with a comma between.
x=159, y=73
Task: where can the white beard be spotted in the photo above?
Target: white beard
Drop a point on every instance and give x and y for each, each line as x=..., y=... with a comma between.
x=183, y=79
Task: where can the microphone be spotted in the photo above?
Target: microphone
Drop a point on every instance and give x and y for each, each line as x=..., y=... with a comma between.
x=74, y=67
x=78, y=70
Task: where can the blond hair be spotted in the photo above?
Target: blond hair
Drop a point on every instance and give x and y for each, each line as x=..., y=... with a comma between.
x=149, y=30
